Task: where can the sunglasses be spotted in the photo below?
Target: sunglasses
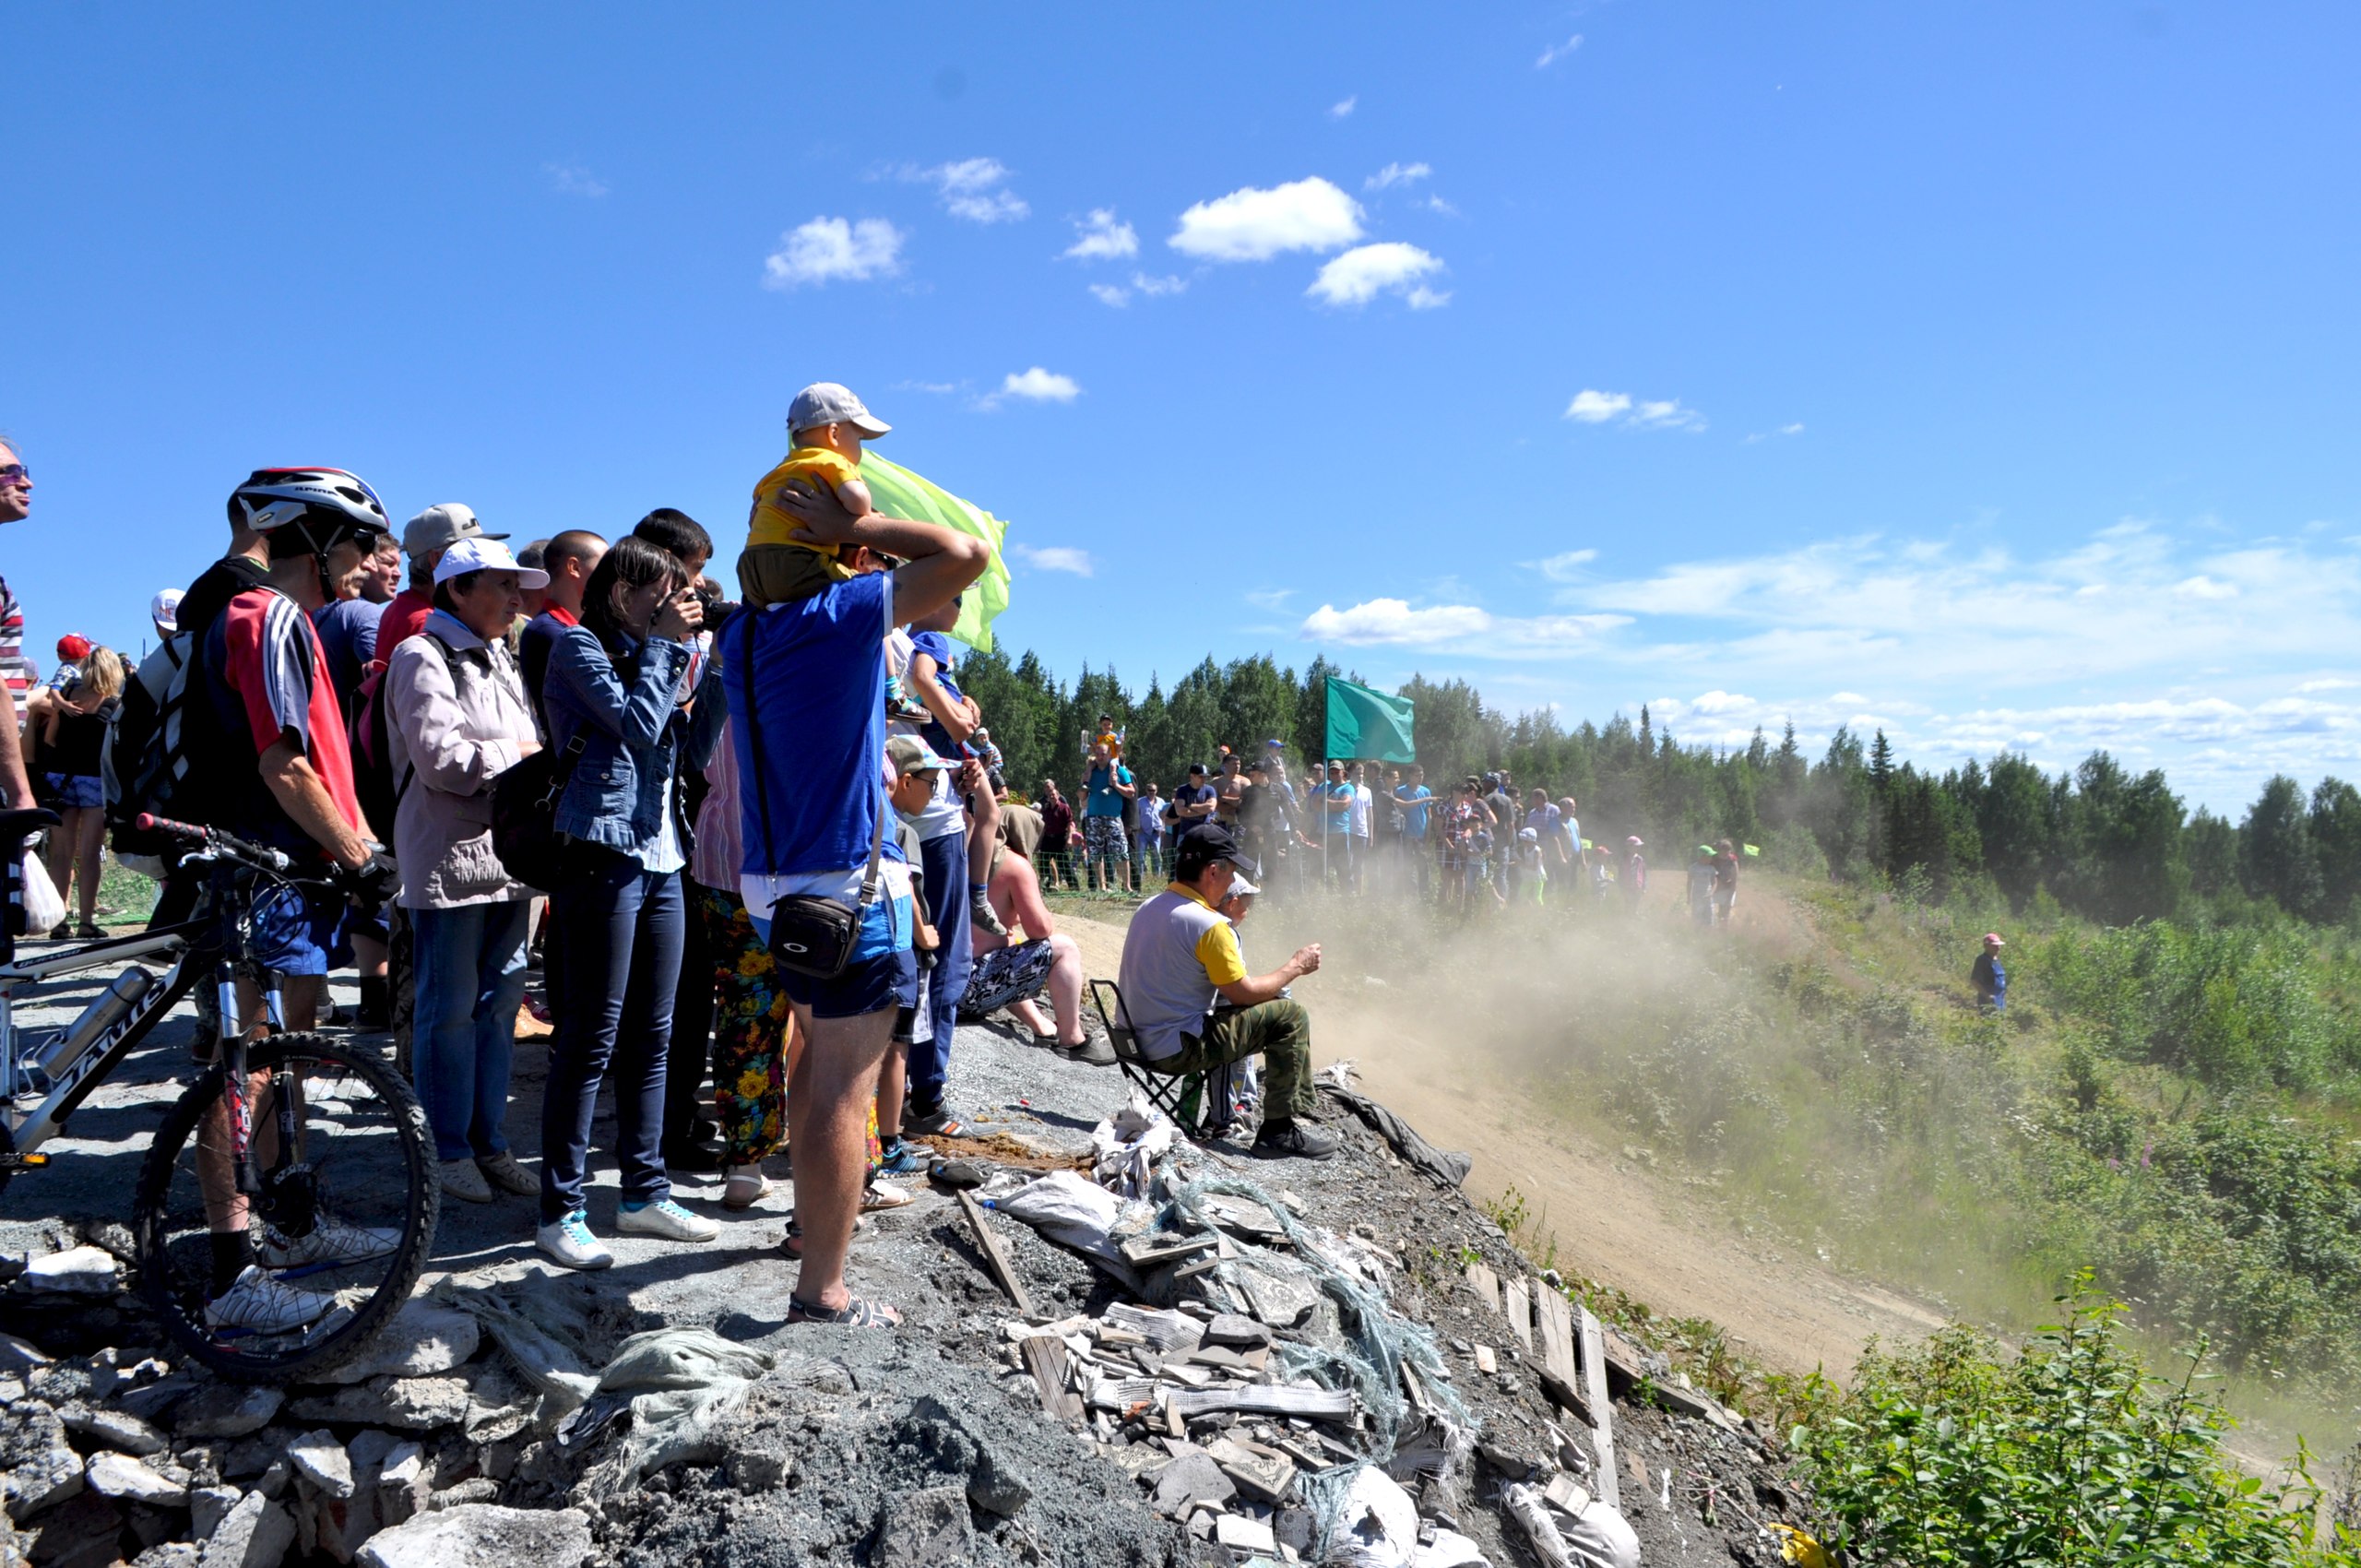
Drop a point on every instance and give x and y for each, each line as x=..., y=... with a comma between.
x=14, y=473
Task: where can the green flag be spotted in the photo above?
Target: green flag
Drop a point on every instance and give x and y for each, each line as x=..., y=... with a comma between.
x=1368, y=725
x=896, y=492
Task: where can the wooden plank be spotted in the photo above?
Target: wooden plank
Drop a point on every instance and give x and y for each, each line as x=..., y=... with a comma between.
x=1487, y=1284
x=1045, y=1357
x=1602, y=1431
x=1567, y=1396
x=1557, y=1332
x=1517, y=1301
x=996, y=1255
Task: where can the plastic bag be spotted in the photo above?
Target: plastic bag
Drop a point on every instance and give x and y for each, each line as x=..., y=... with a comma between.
x=44, y=906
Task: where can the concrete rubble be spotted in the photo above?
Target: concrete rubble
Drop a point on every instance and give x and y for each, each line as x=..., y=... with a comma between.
x=1225, y=1362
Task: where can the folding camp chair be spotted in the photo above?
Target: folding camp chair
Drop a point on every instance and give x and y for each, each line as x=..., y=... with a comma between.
x=1164, y=1090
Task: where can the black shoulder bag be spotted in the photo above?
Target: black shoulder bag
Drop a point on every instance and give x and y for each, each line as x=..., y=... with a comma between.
x=524, y=814
x=809, y=933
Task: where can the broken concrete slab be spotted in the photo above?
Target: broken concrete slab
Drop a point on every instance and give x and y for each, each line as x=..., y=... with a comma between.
x=484, y=1533
x=1243, y=1534
x=77, y=1271
x=37, y=1469
x=410, y=1404
x=1193, y=1479
x=921, y=1529
x=113, y=1428
x=208, y=1506
x=422, y=1339
x=21, y=1355
x=320, y=1459
x=228, y=1409
x=255, y=1534
x=125, y=1478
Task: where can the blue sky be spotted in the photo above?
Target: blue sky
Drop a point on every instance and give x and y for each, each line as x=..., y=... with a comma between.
x=1983, y=372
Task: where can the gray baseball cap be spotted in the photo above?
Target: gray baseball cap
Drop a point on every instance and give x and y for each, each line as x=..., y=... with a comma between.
x=441, y=526
x=825, y=402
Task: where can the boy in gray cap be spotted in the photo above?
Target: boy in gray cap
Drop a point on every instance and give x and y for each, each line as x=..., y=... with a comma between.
x=827, y=424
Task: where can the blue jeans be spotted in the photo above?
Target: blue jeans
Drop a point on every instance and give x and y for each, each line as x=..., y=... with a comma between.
x=470, y=963
x=621, y=927
x=945, y=865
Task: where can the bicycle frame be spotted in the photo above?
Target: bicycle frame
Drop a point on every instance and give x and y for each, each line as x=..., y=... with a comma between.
x=28, y=1129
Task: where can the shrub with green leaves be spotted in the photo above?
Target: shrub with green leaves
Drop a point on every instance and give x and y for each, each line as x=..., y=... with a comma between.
x=1958, y=1451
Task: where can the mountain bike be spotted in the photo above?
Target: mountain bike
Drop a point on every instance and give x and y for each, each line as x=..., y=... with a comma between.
x=302, y=1159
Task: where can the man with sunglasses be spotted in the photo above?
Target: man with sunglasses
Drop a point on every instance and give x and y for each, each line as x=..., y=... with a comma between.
x=15, y=504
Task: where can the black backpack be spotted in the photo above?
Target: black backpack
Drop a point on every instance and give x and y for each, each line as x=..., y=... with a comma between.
x=373, y=760
x=145, y=766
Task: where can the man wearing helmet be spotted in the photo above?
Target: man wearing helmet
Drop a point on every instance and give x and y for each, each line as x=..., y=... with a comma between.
x=267, y=678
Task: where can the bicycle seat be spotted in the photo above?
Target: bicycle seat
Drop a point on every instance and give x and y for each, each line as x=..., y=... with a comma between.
x=24, y=822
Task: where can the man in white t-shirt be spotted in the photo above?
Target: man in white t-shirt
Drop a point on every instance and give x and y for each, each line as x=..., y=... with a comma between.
x=1358, y=817
x=806, y=685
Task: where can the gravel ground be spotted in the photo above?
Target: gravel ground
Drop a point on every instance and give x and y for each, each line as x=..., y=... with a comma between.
x=841, y=1448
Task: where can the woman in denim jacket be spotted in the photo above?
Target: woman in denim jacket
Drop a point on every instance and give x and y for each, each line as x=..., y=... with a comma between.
x=613, y=689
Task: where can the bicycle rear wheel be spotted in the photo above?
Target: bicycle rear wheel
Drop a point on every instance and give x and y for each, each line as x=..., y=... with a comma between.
x=338, y=1233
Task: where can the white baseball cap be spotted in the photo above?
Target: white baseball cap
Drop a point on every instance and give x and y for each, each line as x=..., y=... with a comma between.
x=484, y=553
x=826, y=402
x=165, y=609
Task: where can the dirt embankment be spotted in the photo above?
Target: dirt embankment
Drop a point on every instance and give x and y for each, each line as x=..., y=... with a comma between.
x=1613, y=1221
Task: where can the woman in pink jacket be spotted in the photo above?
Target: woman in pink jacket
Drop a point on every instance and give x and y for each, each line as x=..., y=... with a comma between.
x=458, y=720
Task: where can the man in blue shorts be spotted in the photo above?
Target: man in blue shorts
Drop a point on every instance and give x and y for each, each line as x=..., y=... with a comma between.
x=806, y=685
x=268, y=681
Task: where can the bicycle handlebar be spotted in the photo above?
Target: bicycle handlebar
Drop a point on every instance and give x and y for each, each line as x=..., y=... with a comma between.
x=214, y=839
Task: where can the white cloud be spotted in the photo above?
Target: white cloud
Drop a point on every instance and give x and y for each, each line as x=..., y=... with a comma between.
x=1567, y=565
x=1155, y=287
x=1366, y=271
x=1343, y=107
x=1392, y=623
x=1113, y=294
x=1270, y=598
x=1593, y=407
x=1250, y=224
x=972, y=188
x=1101, y=238
x=2203, y=586
x=1795, y=429
x=1395, y=174
x=2329, y=683
x=933, y=388
x=1436, y=204
x=827, y=249
x=1558, y=52
x=1054, y=558
x=1424, y=298
x=1036, y=386
x=572, y=179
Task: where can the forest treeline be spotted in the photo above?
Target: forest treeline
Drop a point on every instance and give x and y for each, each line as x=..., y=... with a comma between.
x=2104, y=841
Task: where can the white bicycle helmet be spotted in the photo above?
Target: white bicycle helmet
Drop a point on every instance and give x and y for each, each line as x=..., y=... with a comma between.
x=307, y=511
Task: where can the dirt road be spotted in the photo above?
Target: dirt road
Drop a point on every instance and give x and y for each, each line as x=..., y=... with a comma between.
x=1612, y=1220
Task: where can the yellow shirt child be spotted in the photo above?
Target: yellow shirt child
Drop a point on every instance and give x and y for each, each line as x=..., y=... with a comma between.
x=829, y=424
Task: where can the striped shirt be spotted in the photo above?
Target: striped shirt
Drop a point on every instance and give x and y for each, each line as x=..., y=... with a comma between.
x=15, y=667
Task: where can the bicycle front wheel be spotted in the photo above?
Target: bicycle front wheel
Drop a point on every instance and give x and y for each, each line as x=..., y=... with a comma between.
x=335, y=1236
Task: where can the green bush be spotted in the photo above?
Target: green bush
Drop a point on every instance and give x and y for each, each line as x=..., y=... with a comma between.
x=1958, y=1452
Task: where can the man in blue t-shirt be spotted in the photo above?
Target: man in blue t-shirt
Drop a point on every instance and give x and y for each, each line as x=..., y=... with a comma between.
x=1104, y=788
x=1416, y=800
x=806, y=683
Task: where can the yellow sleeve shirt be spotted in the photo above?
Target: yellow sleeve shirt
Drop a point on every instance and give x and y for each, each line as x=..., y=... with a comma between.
x=1217, y=948
x=773, y=524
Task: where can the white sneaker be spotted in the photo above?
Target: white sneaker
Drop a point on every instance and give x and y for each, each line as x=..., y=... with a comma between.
x=569, y=1244
x=667, y=1219
x=463, y=1180
x=257, y=1302
x=883, y=1195
x=332, y=1244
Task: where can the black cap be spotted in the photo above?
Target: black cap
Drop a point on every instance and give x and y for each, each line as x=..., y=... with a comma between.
x=1211, y=842
x=1196, y=768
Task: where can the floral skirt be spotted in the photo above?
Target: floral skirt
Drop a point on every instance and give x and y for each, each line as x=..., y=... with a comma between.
x=751, y=1019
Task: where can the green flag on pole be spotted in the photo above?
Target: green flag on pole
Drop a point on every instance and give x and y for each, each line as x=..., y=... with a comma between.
x=896, y=492
x=1368, y=725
